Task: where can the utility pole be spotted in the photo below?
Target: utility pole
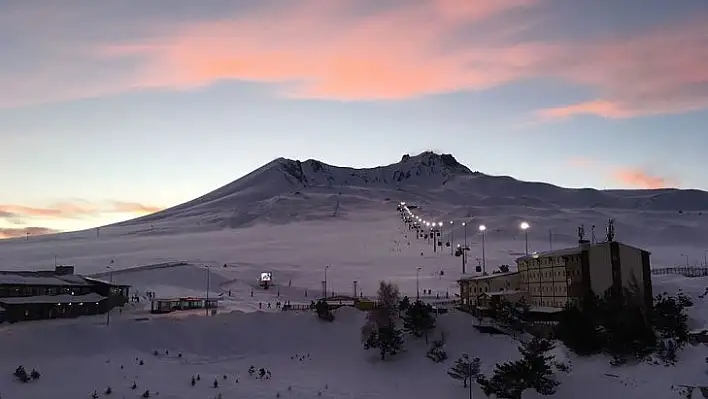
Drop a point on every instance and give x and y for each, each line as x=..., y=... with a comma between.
x=550, y=240
x=325, y=282
x=208, y=282
x=110, y=292
x=452, y=238
x=417, y=284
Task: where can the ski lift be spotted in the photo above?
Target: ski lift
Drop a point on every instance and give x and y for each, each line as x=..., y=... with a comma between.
x=447, y=244
x=439, y=243
x=478, y=269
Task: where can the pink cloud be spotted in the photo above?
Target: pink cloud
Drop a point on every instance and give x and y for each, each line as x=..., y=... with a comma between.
x=641, y=179
x=656, y=73
x=75, y=209
x=384, y=56
x=320, y=49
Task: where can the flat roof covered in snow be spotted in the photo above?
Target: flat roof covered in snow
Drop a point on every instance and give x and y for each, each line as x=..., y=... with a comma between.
x=20, y=279
x=49, y=299
x=488, y=276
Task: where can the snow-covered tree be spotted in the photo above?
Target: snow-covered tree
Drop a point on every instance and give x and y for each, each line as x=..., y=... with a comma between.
x=465, y=369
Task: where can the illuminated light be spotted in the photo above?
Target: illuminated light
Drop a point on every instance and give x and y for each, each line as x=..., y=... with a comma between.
x=524, y=225
x=482, y=227
x=464, y=224
x=440, y=224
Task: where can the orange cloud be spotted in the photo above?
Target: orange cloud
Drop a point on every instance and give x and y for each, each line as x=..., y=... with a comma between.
x=134, y=207
x=641, y=179
x=605, y=109
x=656, y=73
x=77, y=209
x=21, y=232
x=317, y=53
x=321, y=49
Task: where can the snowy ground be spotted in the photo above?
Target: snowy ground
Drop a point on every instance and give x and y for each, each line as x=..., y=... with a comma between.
x=79, y=356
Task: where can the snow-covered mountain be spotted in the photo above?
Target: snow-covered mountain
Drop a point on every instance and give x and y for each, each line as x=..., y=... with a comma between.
x=286, y=190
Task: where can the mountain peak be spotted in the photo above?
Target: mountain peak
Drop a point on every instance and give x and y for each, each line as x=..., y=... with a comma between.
x=446, y=162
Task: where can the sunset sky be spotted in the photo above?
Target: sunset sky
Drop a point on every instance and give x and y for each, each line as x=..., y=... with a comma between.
x=112, y=109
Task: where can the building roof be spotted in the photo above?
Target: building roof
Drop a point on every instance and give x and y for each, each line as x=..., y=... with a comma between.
x=559, y=252
x=503, y=293
x=101, y=281
x=50, y=299
x=488, y=276
x=573, y=251
x=25, y=279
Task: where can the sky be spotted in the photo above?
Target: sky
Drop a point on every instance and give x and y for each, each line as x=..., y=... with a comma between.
x=113, y=109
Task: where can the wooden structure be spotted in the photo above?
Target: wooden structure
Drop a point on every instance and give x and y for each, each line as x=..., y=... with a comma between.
x=35, y=295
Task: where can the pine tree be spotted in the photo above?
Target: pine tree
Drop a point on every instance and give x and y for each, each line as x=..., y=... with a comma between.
x=387, y=340
x=403, y=305
x=418, y=319
x=465, y=369
x=533, y=371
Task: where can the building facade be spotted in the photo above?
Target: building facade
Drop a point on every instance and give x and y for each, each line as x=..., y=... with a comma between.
x=556, y=278
x=478, y=291
x=34, y=295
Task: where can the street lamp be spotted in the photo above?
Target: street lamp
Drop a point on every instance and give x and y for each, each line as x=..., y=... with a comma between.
x=452, y=238
x=525, y=227
x=464, y=224
x=208, y=283
x=417, y=284
x=483, y=230
x=685, y=256
x=110, y=291
x=325, y=282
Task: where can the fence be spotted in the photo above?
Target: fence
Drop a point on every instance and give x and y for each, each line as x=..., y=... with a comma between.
x=683, y=271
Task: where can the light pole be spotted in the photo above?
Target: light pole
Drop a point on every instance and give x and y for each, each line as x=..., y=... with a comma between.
x=110, y=292
x=705, y=258
x=417, y=283
x=483, y=230
x=452, y=238
x=525, y=227
x=685, y=256
x=208, y=282
x=464, y=224
x=440, y=226
x=325, y=283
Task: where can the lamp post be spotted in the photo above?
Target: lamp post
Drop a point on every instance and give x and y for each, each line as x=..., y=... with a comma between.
x=440, y=226
x=525, y=227
x=417, y=283
x=325, y=282
x=464, y=224
x=208, y=283
x=685, y=256
x=110, y=291
x=452, y=238
x=705, y=258
x=483, y=230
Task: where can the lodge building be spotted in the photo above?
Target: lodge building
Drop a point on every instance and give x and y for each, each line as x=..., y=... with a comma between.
x=550, y=281
x=48, y=294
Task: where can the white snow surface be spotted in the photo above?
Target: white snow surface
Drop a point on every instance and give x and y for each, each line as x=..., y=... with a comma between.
x=345, y=218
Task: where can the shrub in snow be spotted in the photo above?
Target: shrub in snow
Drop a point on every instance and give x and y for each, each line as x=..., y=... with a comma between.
x=277, y=395
x=465, y=369
x=21, y=374
x=194, y=381
x=35, y=374
x=533, y=371
x=437, y=353
x=134, y=386
x=199, y=378
x=146, y=394
x=323, y=311
x=94, y=395
x=108, y=391
x=141, y=363
x=216, y=383
x=155, y=352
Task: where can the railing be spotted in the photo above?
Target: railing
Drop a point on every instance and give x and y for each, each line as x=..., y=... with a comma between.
x=683, y=271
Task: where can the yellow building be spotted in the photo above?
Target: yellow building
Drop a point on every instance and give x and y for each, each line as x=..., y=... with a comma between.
x=481, y=291
x=555, y=278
